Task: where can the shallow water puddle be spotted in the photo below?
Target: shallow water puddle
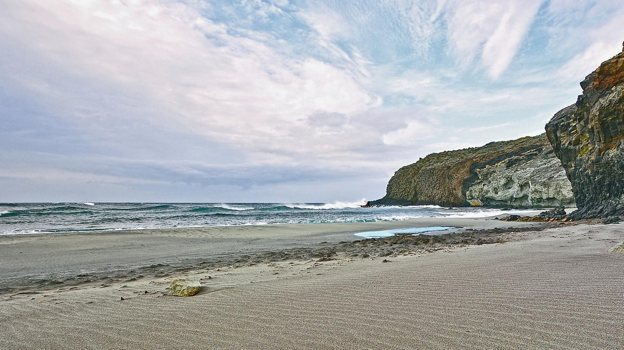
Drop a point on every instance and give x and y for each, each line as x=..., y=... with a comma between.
x=414, y=230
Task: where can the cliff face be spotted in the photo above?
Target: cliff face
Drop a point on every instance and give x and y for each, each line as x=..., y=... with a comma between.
x=518, y=173
x=588, y=138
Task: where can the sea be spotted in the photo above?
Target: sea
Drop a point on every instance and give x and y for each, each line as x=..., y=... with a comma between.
x=36, y=218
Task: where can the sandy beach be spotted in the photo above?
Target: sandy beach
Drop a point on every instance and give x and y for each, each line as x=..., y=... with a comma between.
x=44, y=260
x=555, y=288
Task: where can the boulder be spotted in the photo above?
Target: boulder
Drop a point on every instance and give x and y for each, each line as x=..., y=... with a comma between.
x=184, y=287
x=555, y=213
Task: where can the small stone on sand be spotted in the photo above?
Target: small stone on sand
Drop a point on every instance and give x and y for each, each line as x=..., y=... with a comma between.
x=184, y=287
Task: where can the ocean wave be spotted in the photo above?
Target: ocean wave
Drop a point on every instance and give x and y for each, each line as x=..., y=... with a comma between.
x=205, y=209
x=277, y=208
x=484, y=213
x=59, y=208
x=328, y=206
x=231, y=207
x=223, y=214
x=64, y=210
x=219, y=207
x=396, y=218
x=145, y=208
x=158, y=207
x=351, y=220
x=401, y=207
x=78, y=217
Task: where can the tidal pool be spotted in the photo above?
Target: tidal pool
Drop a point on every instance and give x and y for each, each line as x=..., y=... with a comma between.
x=414, y=230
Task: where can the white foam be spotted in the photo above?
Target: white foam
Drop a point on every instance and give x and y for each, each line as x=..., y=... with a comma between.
x=229, y=207
x=395, y=218
x=389, y=233
x=4, y=212
x=326, y=206
x=409, y=207
x=89, y=204
x=486, y=213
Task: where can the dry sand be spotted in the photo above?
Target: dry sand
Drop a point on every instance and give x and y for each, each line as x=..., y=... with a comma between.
x=558, y=288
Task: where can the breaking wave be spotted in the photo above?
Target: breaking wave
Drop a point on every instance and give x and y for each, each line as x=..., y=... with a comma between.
x=328, y=206
x=83, y=217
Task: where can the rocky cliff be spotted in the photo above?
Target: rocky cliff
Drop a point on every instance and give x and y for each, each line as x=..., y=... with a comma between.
x=588, y=138
x=518, y=173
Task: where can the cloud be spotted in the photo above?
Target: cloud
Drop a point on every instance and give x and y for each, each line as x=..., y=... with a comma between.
x=489, y=30
x=200, y=78
x=251, y=98
x=605, y=42
x=327, y=121
x=414, y=133
x=327, y=23
x=263, y=9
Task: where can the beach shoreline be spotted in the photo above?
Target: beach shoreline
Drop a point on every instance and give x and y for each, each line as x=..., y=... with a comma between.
x=43, y=261
x=555, y=286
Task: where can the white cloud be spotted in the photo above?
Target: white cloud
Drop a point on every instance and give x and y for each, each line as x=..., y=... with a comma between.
x=263, y=9
x=215, y=92
x=280, y=3
x=606, y=41
x=327, y=23
x=489, y=30
x=200, y=78
x=414, y=133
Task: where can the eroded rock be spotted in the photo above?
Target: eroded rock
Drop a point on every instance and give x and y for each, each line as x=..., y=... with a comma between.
x=518, y=173
x=588, y=138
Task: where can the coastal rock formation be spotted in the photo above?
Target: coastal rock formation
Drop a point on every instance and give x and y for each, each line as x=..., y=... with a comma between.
x=517, y=173
x=588, y=137
x=184, y=287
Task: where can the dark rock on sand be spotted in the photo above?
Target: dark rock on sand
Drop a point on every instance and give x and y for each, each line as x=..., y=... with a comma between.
x=588, y=137
x=611, y=220
x=519, y=173
x=558, y=213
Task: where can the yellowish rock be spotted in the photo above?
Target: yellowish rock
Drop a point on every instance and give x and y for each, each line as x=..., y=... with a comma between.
x=619, y=248
x=184, y=287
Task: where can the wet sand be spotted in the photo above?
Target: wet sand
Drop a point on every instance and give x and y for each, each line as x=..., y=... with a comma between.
x=555, y=288
x=47, y=260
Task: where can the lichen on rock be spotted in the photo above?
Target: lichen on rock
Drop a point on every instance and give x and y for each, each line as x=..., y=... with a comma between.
x=588, y=138
x=184, y=287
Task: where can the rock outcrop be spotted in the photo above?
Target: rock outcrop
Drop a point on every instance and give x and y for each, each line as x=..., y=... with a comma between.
x=519, y=173
x=588, y=137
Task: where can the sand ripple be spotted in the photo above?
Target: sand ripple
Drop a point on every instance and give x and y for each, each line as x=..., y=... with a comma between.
x=555, y=291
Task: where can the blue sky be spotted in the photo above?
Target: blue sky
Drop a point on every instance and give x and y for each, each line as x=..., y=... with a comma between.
x=280, y=100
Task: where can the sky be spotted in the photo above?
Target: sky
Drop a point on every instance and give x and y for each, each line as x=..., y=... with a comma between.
x=275, y=100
